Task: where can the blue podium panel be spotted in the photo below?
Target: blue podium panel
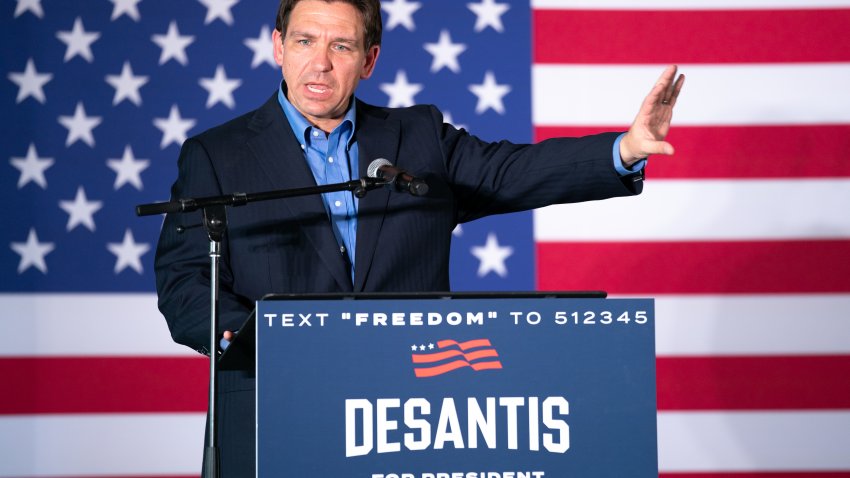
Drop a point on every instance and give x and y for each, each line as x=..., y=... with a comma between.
x=463, y=388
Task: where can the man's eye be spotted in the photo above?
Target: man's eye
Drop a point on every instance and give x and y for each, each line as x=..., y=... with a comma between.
x=341, y=48
x=304, y=42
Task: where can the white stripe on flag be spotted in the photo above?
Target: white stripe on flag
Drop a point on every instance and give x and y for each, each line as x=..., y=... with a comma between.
x=753, y=441
x=706, y=210
x=85, y=325
x=111, y=445
x=805, y=324
x=765, y=94
x=687, y=4
x=686, y=325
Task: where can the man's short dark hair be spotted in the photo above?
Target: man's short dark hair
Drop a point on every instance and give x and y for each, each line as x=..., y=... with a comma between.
x=370, y=10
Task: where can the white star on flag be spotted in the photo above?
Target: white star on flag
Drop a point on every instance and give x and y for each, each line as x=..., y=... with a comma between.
x=173, y=45
x=401, y=92
x=492, y=256
x=219, y=9
x=220, y=88
x=401, y=13
x=125, y=7
x=78, y=41
x=128, y=253
x=490, y=94
x=174, y=128
x=32, y=6
x=30, y=83
x=447, y=118
x=32, y=168
x=127, y=85
x=128, y=169
x=32, y=252
x=80, y=126
x=445, y=53
x=81, y=210
x=263, y=48
x=489, y=14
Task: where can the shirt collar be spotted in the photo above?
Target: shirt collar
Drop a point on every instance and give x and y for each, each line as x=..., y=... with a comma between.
x=300, y=125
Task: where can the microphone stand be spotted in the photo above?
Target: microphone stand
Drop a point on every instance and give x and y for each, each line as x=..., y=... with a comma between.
x=215, y=223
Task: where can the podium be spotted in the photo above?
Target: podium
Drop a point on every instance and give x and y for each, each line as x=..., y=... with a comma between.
x=453, y=386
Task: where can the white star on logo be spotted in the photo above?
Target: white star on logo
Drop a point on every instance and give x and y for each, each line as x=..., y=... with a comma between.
x=174, y=128
x=30, y=83
x=489, y=14
x=81, y=210
x=492, y=256
x=220, y=88
x=126, y=7
x=80, y=126
x=445, y=53
x=490, y=94
x=32, y=168
x=413, y=348
x=173, y=45
x=263, y=48
x=128, y=169
x=127, y=85
x=33, y=6
x=128, y=253
x=32, y=252
x=78, y=41
x=401, y=92
x=401, y=13
x=219, y=9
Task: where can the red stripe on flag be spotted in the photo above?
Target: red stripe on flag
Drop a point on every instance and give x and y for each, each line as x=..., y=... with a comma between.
x=691, y=36
x=711, y=152
x=695, y=267
x=753, y=383
x=104, y=385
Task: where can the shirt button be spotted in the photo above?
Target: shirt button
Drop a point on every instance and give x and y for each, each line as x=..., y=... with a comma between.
x=303, y=146
x=330, y=159
x=315, y=133
x=338, y=204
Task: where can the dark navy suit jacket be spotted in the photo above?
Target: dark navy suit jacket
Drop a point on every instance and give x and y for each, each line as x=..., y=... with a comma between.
x=288, y=246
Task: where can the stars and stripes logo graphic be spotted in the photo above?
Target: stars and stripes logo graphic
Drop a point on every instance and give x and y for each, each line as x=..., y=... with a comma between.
x=450, y=355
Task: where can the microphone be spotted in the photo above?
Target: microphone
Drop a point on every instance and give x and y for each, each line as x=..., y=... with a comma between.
x=383, y=169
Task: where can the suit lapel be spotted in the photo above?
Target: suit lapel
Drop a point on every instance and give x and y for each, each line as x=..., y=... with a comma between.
x=376, y=138
x=279, y=154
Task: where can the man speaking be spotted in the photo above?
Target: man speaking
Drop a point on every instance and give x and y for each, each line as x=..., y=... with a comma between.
x=314, y=131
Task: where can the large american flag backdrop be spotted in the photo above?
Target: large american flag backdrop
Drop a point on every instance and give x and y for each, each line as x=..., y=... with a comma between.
x=743, y=237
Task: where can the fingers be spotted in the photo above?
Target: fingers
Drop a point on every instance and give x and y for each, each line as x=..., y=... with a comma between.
x=670, y=89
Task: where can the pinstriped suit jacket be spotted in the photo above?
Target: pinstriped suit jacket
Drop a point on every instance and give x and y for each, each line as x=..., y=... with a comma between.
x=288, y=246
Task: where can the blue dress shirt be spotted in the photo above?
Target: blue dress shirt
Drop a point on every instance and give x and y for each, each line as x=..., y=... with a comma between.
x=332, y=158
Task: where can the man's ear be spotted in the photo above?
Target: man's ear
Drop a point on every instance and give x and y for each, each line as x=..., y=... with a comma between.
x=371, y=60
x=277, y=42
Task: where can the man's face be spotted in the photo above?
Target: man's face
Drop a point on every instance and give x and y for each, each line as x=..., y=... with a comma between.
x=323, y=57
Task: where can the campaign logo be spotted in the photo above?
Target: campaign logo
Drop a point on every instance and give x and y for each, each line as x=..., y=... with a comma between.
x=450, y=355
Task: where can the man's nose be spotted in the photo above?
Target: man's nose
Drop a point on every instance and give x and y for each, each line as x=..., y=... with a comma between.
x=321, y=60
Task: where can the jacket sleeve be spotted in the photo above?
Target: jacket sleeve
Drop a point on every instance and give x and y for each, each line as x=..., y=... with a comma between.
x=182, y=262
x=499, y=177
